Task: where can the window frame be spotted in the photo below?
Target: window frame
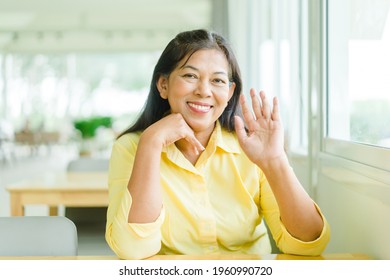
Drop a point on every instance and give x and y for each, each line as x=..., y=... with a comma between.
x=366, y=154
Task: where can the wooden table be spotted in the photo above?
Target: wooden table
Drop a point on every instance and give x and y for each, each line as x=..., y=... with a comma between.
x=78, y=189
x=343, y=256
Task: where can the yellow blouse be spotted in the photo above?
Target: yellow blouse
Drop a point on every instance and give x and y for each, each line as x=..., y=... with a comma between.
x=214, y=207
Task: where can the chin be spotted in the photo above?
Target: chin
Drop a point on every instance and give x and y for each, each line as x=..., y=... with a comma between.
x=198, y=127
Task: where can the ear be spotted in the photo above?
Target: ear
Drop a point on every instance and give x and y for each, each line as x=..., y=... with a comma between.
x=231, y=89
x=162, y=86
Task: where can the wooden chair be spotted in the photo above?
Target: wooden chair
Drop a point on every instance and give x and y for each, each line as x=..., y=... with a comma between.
x=90, y=214
x=90, y=221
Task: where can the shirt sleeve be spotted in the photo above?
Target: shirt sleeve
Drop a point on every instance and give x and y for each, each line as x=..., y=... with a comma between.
x=127, y=240
x=283, y=239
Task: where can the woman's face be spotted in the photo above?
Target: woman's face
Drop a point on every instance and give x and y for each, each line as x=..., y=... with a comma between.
x=199, y=90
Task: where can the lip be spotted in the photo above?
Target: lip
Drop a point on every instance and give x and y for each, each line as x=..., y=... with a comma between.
x=199, y=107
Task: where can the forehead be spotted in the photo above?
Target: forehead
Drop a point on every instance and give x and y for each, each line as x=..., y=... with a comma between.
x=205, y=58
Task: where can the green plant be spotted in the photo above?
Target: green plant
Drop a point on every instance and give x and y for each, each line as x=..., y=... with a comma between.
x=88, y=127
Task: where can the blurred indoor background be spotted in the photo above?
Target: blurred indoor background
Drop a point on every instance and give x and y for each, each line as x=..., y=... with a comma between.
x=74, y=74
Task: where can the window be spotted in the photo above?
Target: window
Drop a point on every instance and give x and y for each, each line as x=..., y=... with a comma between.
x=49, y=89
x=359, y=71
x=358, y=84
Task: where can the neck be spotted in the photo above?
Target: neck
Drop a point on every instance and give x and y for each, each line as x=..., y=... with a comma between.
x=186, y=148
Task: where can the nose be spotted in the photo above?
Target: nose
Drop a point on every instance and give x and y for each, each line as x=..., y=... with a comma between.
x=203, y=88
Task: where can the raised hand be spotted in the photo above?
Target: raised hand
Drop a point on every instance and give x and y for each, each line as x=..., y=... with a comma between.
x=264, y=140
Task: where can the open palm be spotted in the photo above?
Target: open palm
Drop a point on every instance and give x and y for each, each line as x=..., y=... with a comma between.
x=263, y=140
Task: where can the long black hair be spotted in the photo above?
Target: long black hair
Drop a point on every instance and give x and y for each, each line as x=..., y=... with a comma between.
x=185, y=44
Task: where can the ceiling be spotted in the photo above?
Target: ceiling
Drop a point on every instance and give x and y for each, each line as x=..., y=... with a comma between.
x=97, y=25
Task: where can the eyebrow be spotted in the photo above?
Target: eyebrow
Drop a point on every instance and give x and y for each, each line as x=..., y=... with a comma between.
x=196, y=69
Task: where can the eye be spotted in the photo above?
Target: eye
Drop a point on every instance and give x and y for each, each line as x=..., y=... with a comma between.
x=190, y=76
x=219, y=81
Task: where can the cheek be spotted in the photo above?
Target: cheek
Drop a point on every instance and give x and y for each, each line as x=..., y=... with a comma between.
x=181, y=84
x=223, y=99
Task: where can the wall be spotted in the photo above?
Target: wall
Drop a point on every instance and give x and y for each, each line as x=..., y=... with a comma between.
x=358, y=209
x=356, y=206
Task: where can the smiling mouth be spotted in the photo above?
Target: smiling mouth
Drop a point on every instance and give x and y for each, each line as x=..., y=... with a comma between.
x=200, y=107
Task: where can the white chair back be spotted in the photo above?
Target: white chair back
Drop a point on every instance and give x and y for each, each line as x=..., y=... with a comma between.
x=88, y=165
x=37, y=236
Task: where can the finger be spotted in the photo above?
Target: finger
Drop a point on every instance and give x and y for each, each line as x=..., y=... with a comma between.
x=240, y=129
x=275, y=110
x=185, y=132
x=256, y=104
x=198, y=147
x=266, y=108
x=246, y=112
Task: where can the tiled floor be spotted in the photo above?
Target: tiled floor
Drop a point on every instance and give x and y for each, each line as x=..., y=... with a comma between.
x=24, y=166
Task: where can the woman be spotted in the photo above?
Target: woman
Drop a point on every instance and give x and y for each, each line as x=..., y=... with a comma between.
x=189, y=178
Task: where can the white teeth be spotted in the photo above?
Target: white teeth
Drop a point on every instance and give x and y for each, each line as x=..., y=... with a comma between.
x=199, y=107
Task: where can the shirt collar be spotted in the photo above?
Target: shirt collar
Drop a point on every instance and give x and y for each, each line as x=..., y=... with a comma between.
x=220, y=138
x=225, y=140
